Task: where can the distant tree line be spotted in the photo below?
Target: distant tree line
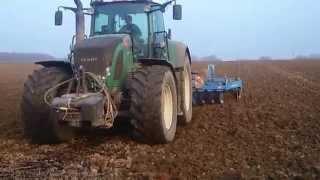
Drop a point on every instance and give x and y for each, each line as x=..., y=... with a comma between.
x=6, y=57
x=209, y=58
x=310, y=57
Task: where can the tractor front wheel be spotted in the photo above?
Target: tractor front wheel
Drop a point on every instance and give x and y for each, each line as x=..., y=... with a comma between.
x=39, y=125
x=153, y=106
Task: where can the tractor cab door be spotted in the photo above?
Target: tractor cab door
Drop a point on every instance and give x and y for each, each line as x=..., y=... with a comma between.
x=159, y=40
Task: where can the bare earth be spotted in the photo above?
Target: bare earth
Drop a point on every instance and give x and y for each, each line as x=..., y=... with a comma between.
x=272, y=133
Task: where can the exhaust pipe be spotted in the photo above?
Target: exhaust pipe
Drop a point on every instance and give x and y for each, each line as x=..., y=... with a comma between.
x=80, y=22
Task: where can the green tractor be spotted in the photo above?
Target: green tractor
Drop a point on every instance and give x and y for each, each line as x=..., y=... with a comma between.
x=128, y=68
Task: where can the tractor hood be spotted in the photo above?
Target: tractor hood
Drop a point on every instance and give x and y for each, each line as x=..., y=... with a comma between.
x=95, y=54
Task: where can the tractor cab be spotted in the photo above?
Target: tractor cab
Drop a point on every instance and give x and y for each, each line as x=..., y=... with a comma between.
x=142, y=20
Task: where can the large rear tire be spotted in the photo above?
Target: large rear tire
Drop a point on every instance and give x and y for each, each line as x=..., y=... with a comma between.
x=186, y=94
x=39, y=125
x=153, y=106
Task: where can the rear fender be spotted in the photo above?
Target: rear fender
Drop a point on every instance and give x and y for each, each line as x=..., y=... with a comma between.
x=177, y=53
x=189, y=55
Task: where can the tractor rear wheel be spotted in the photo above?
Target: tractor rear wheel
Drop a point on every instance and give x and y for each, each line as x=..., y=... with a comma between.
x=186, y=94
x=153, y=107
x=39, y=125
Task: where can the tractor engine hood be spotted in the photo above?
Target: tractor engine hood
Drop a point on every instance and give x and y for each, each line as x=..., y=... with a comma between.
x=95, y=54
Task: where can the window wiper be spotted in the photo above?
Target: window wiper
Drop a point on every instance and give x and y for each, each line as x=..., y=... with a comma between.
x=162, y=6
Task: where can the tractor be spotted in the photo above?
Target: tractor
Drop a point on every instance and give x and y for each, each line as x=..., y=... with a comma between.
x=127, y=68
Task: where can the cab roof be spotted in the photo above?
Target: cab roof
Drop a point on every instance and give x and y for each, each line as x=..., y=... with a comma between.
x=102, y=2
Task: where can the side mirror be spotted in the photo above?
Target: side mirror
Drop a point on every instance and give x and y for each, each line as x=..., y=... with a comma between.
x=58, y=18
x=177, y=12
x=169, y=34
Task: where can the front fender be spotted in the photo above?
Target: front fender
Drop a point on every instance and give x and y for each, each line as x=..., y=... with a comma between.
x=60, y=64
x=150, y=62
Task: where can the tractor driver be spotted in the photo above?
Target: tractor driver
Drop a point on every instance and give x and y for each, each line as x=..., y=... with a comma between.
x=135, y=33
x=131, y=28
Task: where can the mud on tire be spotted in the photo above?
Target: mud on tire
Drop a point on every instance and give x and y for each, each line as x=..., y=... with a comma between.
x=38, y=125
x=153, y=94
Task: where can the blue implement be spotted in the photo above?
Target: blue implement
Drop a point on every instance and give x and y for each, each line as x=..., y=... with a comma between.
x=214, y=87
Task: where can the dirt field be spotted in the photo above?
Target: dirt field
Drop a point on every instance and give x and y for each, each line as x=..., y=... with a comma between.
x=272, y=133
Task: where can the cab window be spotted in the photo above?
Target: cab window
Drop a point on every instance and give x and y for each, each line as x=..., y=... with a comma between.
x=102, y=20
x=158, y=22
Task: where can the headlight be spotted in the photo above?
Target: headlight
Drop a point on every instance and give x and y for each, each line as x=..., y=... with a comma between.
x=108, y=71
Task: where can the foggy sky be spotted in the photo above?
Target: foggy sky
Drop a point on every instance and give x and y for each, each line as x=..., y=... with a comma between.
x=230, y=29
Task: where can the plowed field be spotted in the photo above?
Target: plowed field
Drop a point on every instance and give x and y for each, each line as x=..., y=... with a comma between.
x=273, y=132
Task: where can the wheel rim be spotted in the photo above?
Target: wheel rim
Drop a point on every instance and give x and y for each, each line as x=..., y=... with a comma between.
x=187, y=91
x=168, y=106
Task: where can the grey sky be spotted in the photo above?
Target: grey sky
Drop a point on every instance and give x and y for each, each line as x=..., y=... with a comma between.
x=227, y=28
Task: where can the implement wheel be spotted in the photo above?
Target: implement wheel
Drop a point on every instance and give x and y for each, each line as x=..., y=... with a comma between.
x=219, y=98
x=238, y=94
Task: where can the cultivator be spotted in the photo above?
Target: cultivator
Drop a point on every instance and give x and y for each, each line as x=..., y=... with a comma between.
x=212, y=90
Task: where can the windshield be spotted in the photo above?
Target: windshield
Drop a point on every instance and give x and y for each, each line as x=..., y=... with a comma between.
x=123, y=18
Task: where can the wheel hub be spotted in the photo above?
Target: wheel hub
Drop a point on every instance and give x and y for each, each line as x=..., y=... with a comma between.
x=168, y=106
